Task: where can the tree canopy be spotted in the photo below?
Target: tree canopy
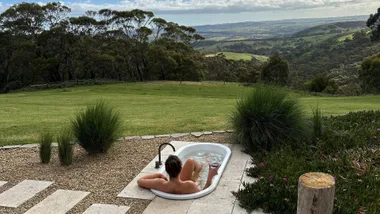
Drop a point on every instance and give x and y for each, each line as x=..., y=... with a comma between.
x=373, y=23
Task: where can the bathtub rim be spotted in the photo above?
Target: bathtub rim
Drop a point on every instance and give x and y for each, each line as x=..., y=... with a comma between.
x=215, y=180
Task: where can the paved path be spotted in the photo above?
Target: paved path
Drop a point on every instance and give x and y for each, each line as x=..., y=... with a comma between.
x=106, y=209
x=60, y=202
x=22, y=192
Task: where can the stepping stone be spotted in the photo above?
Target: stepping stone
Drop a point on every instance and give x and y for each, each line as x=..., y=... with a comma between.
x=207, y=133
x=30, y=146
x=106, y=209
x=163, y=135
x=10, y=147
x=22, y=192
x=133, y=138
x=164, y=206
x=132, y=190
x=60, y=202
x=219, y=132
x=177, y=135
x=197, y=134
x=2, y=183
x=149, y=137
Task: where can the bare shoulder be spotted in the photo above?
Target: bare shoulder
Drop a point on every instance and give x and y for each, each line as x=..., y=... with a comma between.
x=191, y=187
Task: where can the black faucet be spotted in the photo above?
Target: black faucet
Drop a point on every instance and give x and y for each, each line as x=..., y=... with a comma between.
x=159, y=162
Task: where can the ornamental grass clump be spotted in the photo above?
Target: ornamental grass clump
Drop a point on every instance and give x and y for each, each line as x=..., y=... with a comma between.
x=46, y=139
x=266, y=117
x=97, y=127
x=65, y=148
x=317, y=124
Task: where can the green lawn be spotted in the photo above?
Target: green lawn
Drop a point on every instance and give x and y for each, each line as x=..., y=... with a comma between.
x=243, y=56
x=147, y=108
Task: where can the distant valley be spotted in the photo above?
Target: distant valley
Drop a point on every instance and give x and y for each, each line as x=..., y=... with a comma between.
x=265, y=29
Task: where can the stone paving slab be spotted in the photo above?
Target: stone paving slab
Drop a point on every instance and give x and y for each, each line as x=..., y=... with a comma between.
x=239, y=210
x=148, y=137
x=60, y=202
x=164, y=206
x=2, y=183
x=197, y=134
x=22, y=192
x=200, y=208
x=221, y=195
x=162, y=135
x=234, y=169
x=106, y=209
x=177, y=135
x=132, y=190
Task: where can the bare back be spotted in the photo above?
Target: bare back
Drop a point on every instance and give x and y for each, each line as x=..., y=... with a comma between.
x=177, y=187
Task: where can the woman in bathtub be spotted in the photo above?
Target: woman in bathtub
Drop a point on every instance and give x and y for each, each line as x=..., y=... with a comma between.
x=182, y=179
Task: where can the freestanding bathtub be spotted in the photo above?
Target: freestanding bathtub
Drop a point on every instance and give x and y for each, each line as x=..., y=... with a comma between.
x=183, y=153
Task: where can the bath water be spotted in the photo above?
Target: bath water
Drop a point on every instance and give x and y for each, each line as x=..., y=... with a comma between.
x=205, y=158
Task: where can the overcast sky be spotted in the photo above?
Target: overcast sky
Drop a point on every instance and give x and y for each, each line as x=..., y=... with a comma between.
x=199, y=12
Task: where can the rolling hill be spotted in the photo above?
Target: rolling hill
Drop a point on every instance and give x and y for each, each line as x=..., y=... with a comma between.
x=265, y=29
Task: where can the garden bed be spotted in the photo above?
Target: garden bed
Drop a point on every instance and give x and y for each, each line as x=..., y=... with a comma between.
x=348, y=149
x=103, y=175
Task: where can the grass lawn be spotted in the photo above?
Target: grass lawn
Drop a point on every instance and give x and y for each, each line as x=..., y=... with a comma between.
x=243, y=56
x=147, y=108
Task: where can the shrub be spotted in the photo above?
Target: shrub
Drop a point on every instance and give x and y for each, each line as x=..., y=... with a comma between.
x=46, y=140
x=97, y=127
x=266, y=117
x=65, y=148
x=349, y=150
x=317, y=124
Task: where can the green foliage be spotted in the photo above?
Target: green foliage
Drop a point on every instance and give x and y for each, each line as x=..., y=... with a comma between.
x=65, y=148
x=46, y=139
x=42, y=44
x=354, y=164
x=222, y=69
x=97, y=127
x=266, y=118
x=317, y=124
x=321, y=83
x=275, y=70
x=370, y=73
x=373, y=23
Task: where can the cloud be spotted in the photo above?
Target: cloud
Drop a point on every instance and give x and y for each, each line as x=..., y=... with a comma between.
x=215, y=6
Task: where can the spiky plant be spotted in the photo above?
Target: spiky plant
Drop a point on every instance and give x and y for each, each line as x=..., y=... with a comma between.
x=65, y=148
x=317, y=124
x=46, y=139
x=97, y=127
x=266, y=117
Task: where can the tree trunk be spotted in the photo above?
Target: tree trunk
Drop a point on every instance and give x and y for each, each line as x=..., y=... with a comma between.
x=316, y=193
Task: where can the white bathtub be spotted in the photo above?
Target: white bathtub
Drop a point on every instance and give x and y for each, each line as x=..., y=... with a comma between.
x=183, y=152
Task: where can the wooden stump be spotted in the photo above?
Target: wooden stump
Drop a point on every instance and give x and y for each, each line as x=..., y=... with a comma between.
x=316, y=193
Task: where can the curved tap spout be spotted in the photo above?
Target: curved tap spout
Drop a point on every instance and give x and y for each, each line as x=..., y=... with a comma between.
x=159, y=162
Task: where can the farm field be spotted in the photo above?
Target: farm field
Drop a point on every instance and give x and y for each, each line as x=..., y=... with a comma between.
x=239, y=56
x=147, y=108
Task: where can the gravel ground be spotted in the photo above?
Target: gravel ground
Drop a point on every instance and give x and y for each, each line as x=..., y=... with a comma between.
x=102, y=175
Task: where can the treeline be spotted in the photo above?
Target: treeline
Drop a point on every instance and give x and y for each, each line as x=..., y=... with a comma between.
x=43, y=44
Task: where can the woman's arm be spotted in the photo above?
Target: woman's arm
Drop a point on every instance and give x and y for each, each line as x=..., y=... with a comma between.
x=211, y=173
x=151, y=181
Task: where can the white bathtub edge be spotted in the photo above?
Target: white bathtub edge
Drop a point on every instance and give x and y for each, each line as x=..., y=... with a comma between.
x=202, y=193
